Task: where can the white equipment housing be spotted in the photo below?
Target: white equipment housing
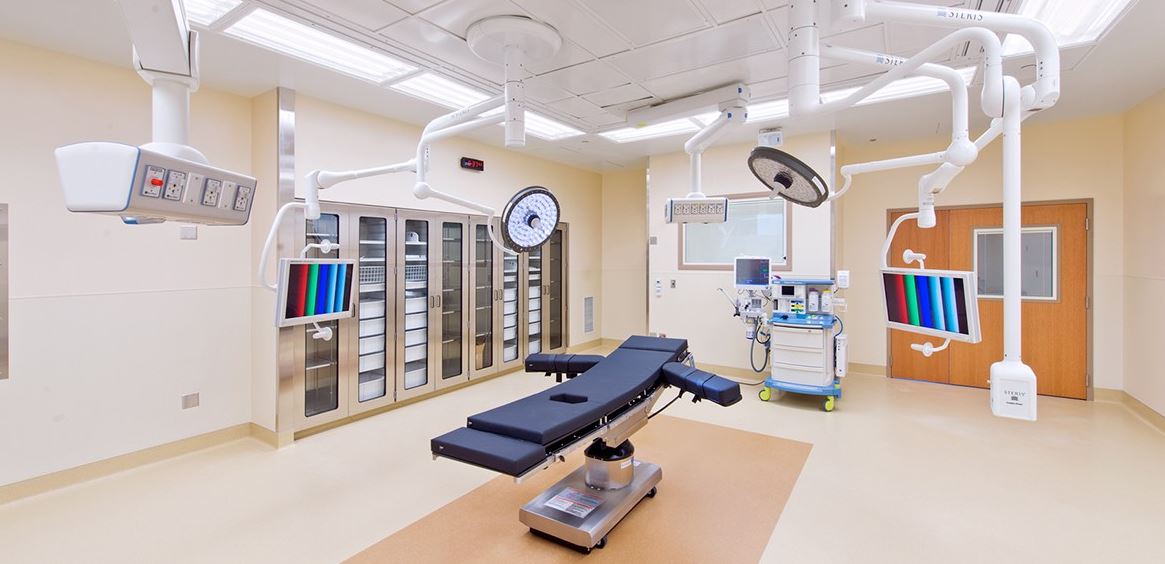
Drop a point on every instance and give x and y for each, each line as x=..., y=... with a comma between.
x=696, y=210
x=697, y=207
x=145, y=186
x=166, y=180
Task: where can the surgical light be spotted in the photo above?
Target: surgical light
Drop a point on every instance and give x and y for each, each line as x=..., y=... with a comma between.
x=440, y=90
x=1073, y=22
x=787, y=176
x=529, y=219
x=206, y=12
x=289, y=37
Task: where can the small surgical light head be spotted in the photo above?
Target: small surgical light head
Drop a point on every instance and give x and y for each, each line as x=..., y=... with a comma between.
x=788, y=177
x=529, y=219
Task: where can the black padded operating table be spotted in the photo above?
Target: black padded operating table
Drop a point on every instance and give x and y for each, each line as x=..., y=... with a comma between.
x=598, y=408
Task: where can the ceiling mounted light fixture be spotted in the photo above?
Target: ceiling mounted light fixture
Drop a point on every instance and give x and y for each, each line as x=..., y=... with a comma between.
x=206, y=12
x=1072, y=22
x=664, y=129
x=277, y=33
x=788, y=177
x=529, y=219
x=440, y=90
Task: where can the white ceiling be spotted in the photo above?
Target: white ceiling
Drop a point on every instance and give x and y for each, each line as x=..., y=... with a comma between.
x=617, y=55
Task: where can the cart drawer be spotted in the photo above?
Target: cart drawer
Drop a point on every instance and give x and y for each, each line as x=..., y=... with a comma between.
x=416, y=320
x=416, y=305
x=372, y=344
x=371, y=362
x=416, y=352
x=416, y=337
x=793, y=356
x=801, y=375
x=797, y=337
x=371, y=309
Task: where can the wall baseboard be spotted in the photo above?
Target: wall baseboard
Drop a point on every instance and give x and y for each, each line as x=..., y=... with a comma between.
x=875, y=369
x=592, y=344
x=120, y=463
x=1142, y=411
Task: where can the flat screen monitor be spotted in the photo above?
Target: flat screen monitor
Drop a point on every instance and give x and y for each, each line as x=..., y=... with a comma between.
x=314, y=290
x=752, y=273
x=942, y=303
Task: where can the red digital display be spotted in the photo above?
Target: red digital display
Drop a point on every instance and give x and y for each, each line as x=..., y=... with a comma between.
x=472, y=164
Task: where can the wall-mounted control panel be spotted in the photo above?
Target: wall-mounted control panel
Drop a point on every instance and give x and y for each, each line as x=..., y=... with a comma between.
x=696, y=210
x=145, y=186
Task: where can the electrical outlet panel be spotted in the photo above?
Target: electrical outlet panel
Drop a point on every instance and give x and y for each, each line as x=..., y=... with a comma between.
x=696, y=210
x=145, y=186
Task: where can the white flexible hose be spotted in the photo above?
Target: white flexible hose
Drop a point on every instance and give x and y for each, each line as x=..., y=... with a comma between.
x=271, y=241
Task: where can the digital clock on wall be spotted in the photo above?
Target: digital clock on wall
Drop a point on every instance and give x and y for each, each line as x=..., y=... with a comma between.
x=472, y=164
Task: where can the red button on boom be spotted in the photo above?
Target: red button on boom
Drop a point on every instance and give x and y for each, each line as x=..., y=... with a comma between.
x=156, y=181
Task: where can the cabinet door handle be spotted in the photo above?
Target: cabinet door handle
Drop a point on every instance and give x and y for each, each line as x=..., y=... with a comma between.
x=438, y=296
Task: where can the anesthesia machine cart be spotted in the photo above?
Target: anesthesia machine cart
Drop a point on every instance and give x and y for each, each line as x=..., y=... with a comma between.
x=807, y=344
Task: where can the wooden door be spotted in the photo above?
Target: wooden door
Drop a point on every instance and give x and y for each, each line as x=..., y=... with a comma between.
x=1055, y=323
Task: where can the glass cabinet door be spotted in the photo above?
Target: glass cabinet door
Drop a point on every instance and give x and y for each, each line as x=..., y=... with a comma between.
x=553, y=307
x=451, y=300
x=484, y=294
x=414, y=333
x=534, y=302
x=321, y=392
x=373, y=371
x=511, y=342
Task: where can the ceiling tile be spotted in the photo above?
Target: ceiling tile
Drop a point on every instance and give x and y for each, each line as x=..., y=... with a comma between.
x=414, y=6
x=770, y=4
x=646, y=21
x=618, y=95
x=435, y=43
x=576, y=25
x=846, y=74
x=577, y=107
x=370, y=14
x=545, y=91
x=749, y=70
x=568, y=55
x=581, y=79
x=734, y=40
x=724, y=11
x=456, y=16
x=905, y=39
x=779, y=20
x=872, y=38
x=769, y=89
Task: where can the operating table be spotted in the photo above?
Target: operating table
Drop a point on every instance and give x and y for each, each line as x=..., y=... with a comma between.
x=604, y=401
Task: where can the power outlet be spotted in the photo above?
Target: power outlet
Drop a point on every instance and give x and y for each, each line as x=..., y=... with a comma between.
x=174, y=184
x=190, y=401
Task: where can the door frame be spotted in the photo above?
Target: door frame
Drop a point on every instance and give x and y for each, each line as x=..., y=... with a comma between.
x=1090, y=207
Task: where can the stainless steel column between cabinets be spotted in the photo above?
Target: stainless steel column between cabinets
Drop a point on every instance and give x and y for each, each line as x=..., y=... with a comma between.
x=3, y=291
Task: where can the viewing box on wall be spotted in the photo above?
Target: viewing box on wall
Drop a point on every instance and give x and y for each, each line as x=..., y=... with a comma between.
x=314, y=290
x=942, y=303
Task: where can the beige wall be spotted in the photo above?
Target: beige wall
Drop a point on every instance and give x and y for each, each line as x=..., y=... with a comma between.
x=111, y=324
x=695, y=310
x=624, y=254
x=1144, y=251
x=1063, y=160
x=333, y=137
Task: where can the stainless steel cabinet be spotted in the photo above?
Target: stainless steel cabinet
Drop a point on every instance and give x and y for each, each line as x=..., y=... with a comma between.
x=373, y=234
x=544, y=283
x=495, y=345
x=432, y=272
x=319, y=365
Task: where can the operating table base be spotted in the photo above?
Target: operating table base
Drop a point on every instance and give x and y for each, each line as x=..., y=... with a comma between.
x=577, y=514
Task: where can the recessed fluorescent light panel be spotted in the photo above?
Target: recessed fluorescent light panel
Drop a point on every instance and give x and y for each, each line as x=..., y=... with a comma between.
x=1073, y=22
x=440, y=90
x=764, y=111
x=206, y=12
x=289, y=37
x=665, y=129
x=547, y=128
x=908, y=88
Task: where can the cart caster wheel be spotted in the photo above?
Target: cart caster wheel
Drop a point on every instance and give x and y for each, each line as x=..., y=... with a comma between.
x=765, y=394
x=828, y=403
x=602, y=543
x=649, y=494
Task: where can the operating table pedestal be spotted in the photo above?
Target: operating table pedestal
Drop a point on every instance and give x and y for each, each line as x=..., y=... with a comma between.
x=584, y=506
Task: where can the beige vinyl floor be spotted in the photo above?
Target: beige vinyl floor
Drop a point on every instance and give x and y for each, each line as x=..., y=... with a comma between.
x=902, y=472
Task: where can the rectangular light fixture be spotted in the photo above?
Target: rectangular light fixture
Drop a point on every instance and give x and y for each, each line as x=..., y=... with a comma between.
x=290, y=37
x=440, y=90
x=906, y=88
x=206, y=12
x=548, y=129
x=664, y=129
x=1073, y=22
x=765, y=111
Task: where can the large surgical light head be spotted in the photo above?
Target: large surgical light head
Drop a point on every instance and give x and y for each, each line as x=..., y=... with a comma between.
x=529, y=219
x=788, y=177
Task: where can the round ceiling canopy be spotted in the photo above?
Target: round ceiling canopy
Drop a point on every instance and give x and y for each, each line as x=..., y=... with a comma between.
x=488, y=38
x=790, y=178
x=529, y=219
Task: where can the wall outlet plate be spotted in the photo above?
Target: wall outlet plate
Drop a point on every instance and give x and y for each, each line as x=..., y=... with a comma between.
x=190, y=401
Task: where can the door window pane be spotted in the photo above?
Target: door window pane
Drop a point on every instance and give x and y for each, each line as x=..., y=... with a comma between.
x=554, y=297
x=483, y=303
x=452, y=285
x=754, y=228
x=534, y=302
x=373, y=295
x=1039, y=258
x=321, y=358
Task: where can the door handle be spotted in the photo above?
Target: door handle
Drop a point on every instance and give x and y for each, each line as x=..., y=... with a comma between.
x=438, y=296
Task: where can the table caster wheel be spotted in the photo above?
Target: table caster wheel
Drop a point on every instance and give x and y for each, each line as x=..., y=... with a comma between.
x=828, y=403
x=649, y=494
x=602, y=542
x=765, y=394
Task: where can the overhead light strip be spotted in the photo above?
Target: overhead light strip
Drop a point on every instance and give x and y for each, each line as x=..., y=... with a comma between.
x=1073, y=22
x=307, y=43
x=664, y=129
x=206, y=12
x=440, y=90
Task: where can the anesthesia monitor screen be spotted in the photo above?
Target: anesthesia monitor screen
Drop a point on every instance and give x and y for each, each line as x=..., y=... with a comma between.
x=752, y=272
